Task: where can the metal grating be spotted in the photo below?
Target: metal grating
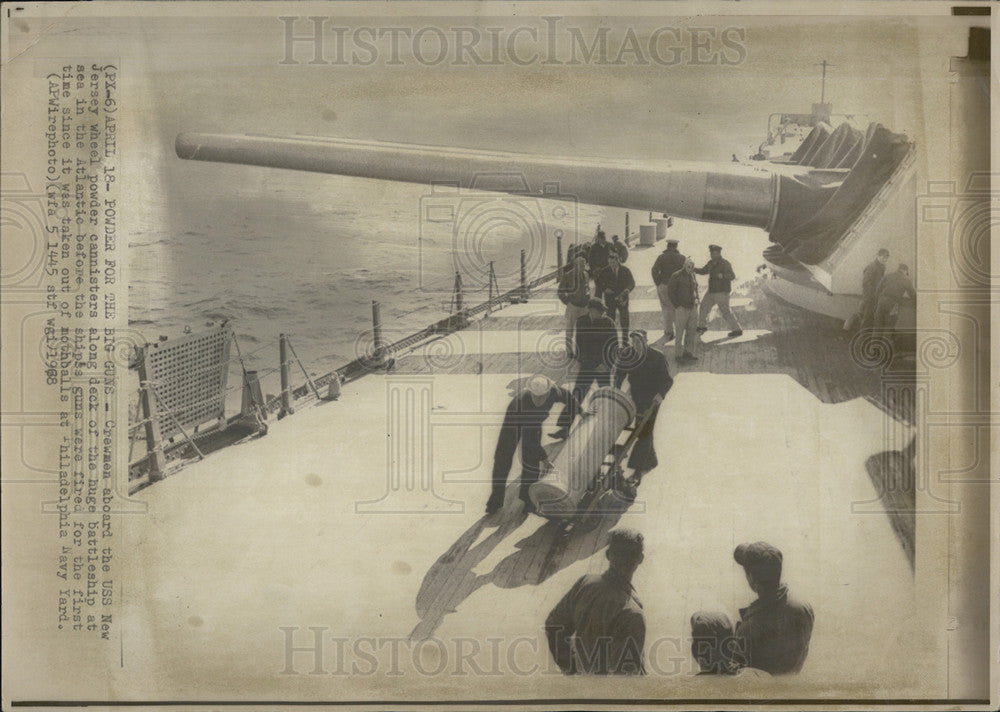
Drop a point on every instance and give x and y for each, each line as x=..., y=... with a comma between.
x=190, y=376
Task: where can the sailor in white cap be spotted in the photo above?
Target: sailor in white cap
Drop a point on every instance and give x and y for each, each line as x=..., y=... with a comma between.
x=523, y=423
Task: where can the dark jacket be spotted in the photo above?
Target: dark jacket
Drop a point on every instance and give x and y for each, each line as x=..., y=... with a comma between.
x=598, y=628
x=648, y=376
x=598, y=256
x=596, y=341
x=669, y=261
x=612, y=284
x=622, y=249
x=870, y=278
x=895, y=286
x=774, y=631
x=524, y=419
x=682, y=289
x=720, y=275
x=574, y=287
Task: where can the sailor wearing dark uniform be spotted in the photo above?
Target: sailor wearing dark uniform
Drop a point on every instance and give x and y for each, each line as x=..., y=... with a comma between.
x=523, y=423
x=668, y=262
x=774, y=631
x=682, y=290
x=597, y=258
x=720, y=284
x=621, y=248
x=649, y=380
x=598, y=627
x=615, y=282
x=870, y=279
x=892, y=290
x=596, y=343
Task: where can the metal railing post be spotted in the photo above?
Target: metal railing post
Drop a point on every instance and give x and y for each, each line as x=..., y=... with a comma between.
x=524, y=274
x=458, y=292
x=286, y=389
x=378, y=341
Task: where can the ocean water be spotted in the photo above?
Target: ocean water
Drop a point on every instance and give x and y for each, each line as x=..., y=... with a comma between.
x=286, y=256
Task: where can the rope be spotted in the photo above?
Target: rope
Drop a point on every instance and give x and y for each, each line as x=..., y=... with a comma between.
x=304, y=373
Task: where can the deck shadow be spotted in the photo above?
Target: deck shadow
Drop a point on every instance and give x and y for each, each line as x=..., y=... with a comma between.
x=893, y=474
x=549, y=549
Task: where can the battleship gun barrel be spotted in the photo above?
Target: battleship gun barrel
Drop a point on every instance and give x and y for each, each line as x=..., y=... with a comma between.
x=733, y=194
x=559, y=492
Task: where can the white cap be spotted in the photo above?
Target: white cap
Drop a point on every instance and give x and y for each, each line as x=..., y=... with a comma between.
x=539, y=385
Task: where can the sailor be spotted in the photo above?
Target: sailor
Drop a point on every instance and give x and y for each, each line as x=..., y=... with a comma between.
x=892, y=290
x=774, y=631
x=682, y=291
x=598, y=627
x=870, y=279
x=574, y=292
x=523, y=422
x=597, y=257
x=615, y=282
x=621, y=248
x=575, y=250
x=720, y=284
x=649, y=381
x=712, y=642
x=668, y=262
x=596, y=345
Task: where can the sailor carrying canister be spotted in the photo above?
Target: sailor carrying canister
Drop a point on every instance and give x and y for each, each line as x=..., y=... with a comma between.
x=523, y=423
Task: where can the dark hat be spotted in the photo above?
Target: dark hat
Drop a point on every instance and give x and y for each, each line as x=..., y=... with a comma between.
x=673, y=241
x=762, y=560
x=638, y=332
x=596, y=304
x=714, y=248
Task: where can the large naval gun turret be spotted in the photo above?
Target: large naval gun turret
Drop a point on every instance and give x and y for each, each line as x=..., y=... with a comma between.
x=817, y=206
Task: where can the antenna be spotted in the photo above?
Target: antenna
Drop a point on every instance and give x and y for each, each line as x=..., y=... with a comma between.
x=824, y=64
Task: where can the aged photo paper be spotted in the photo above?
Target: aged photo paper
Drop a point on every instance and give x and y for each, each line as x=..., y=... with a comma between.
x=498, y=355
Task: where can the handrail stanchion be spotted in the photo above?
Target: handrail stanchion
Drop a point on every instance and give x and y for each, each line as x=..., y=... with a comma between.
x=286, y=389
x=492, y=280
x=559, y=253
x=524, y=274
x=461, y=319
x=378, y=356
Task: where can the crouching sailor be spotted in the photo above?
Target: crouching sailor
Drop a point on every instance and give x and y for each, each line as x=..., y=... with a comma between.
x=523, y=423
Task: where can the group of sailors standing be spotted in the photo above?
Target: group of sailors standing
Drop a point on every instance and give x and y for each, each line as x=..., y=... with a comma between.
x=882, y=294
x=685, y=314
